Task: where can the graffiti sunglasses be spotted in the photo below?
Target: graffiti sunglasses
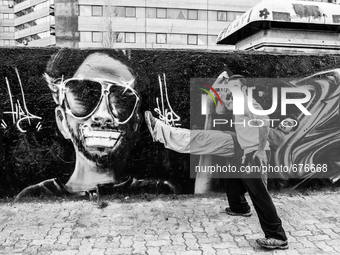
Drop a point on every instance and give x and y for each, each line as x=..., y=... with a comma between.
x=82, y=98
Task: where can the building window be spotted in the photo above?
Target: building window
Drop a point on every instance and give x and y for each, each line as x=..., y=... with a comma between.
x=192, y=39
x=202, y=15
x=130, y=12
x=97, y=10
x=212, y=39
x=161, y=13
x=176, y=39
x=85, y=10
x=85, y=36
x=117, y=11
x=119, y=37
x=7, y=42
x=130, y=37
x=202, y=40
x=150, y=38
x=221, y=16
x=193, y=14
x=161, y=38
x=97, y=36
x=176, y=14
x=231, y=16
x=151, y=12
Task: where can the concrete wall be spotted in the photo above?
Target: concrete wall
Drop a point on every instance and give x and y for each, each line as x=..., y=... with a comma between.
x=35, y=151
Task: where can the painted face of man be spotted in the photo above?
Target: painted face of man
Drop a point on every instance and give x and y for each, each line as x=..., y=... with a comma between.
x=287, y=125
x=101, y=108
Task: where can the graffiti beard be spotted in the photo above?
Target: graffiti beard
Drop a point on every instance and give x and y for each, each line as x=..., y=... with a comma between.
x=114, y=160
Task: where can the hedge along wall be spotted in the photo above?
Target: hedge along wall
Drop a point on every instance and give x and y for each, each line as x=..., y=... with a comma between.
x=39, y=152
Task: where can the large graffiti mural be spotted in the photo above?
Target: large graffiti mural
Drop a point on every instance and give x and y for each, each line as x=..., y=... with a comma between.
x=73, y=121
x=317, y=138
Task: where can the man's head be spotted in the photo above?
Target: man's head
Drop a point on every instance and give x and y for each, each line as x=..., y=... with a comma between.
x=237, y=81
x=98, y=103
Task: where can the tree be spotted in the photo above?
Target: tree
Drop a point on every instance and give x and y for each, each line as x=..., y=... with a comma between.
x=110, y=36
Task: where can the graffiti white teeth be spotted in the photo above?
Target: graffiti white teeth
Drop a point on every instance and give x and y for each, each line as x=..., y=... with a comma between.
x=101, y=138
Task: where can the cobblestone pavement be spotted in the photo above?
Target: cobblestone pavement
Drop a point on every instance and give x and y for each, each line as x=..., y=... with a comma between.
x=195, y=225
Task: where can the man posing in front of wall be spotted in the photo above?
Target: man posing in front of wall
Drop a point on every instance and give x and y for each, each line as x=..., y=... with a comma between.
x=252, y=135
x=254, y=142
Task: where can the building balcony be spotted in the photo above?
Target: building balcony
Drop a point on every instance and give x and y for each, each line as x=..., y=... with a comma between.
x=32, y=16
x=26, y=4
x=47, y=41
x=32, y=30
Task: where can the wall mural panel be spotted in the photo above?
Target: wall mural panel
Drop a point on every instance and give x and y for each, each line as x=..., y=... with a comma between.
x=72, y=121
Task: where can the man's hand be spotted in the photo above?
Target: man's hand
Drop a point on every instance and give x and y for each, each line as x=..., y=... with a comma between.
x=223, y=77
x=262, y=156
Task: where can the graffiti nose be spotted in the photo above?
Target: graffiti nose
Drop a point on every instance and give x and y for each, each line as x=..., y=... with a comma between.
x=102, y=115
x=103, y=120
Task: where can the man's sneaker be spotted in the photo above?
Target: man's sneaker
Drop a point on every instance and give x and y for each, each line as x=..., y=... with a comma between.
x=272, y=243
x=230, y=212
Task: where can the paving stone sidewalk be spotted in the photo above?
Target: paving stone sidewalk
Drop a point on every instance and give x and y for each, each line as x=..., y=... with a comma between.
x=196, y=225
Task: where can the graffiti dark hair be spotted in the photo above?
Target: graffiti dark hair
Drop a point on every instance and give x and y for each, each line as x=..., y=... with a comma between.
x=66, y=62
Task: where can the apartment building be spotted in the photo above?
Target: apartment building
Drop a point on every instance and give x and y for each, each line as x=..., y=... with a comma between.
x=156, y=23
x=34, y=22
x=191, y=24
x=7, y=23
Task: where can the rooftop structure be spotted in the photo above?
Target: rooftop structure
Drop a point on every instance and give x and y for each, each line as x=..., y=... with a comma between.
x=286, y=26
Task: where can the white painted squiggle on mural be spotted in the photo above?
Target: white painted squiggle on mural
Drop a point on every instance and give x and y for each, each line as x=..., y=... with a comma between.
x=19, y=113
x=168, y=116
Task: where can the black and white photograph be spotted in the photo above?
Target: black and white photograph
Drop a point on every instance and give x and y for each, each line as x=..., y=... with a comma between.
x=169, y=127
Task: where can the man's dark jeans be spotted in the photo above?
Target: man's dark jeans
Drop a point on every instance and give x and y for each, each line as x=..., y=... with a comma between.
x=253, y=183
